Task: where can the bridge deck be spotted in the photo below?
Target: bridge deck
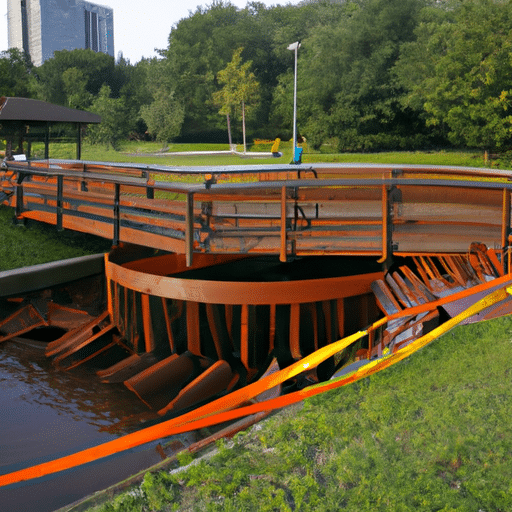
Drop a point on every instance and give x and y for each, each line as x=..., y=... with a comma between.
x=285, y=210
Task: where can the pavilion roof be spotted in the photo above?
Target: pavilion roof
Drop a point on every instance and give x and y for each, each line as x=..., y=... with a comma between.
x=26, y=110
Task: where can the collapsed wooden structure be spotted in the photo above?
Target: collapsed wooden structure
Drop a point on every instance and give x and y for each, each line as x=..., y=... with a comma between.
x=217, y=271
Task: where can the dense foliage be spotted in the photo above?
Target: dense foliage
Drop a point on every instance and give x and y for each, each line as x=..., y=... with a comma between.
x=372, y=75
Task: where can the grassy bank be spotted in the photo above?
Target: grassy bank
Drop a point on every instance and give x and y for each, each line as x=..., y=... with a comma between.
x=432, y=433
x=33, y=243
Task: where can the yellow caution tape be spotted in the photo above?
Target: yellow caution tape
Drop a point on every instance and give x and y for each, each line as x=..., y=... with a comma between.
x=231, y=406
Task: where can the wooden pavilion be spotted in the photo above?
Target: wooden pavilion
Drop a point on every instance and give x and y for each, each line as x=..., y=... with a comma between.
x=24, y=120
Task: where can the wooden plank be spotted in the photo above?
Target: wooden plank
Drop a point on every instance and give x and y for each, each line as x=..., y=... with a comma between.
x=385, y=298
x=193, y=330
x=295, y=331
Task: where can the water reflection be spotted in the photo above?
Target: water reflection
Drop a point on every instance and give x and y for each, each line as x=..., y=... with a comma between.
x=47, y=413
x=45, y=410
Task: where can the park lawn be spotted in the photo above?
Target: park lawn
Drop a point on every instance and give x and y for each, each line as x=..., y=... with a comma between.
x=431, y=433
x=144, y=152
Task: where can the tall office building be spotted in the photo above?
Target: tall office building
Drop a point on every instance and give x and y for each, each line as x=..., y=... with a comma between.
x=42, y=27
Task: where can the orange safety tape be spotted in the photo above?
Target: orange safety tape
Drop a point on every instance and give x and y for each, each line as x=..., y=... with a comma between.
x=223, y=409
x=181, y=423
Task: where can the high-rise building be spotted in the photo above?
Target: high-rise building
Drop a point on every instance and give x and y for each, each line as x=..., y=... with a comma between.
x=42, y=27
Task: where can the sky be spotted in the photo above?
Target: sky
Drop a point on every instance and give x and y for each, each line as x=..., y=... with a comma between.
x=141, y=26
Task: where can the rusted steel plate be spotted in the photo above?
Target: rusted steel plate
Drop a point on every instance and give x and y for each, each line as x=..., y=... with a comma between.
x=222, y=292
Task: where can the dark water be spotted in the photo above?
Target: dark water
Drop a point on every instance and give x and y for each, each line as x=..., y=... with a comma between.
x=46, y=413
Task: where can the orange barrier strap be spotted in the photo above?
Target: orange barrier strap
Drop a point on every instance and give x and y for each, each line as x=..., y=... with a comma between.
x=182, y=423
x=223, y=409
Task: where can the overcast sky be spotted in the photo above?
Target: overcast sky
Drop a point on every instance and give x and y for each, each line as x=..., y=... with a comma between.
x=141, y=26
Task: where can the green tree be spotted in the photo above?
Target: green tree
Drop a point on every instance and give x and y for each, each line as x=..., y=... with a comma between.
x=240, y=92
x=202, y=45
x=347, y=91
x=114, y=124
x=16, y=74
x=136, y=92
x=464, y=83
x=164, y=116
x=74, y=83
x=97, y=69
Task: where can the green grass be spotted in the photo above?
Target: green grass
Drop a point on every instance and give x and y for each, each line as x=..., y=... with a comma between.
x=456, y=158
x=24, y=245
x=432, y=433
x=152, y=153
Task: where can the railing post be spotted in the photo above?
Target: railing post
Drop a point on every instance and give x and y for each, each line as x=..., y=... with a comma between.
x=189, y=229
x=117, y=193
x=150, y=190
x=19, y=195
x=282, y=253
x=386, y=232
x=83, y=184
x=60, y=187
x=505, y=226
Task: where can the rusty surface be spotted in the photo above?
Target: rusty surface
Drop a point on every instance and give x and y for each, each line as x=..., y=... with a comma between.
x=191, y=326
x=319, y=209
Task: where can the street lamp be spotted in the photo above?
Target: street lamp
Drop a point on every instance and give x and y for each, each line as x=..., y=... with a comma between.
x=295, y=46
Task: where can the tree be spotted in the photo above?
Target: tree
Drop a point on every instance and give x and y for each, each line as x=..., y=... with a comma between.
x=114, y=124
x=97, y=69
x=202, y=45
x=75, y=86
x=464, y=83
x=347, y=90
x=164, y=116
x=240, y=91
x=16, y=74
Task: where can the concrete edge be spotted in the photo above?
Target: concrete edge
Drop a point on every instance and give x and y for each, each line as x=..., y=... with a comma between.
x=45, y=275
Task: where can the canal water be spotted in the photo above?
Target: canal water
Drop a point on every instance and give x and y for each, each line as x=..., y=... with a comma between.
x=46, y=413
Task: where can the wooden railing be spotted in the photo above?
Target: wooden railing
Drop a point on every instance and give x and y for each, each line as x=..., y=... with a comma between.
x=285, y=210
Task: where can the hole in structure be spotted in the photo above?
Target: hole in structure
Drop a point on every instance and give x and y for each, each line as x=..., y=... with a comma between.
x=47, y=334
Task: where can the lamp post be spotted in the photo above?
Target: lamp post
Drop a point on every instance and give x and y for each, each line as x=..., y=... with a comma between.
x=294, y=46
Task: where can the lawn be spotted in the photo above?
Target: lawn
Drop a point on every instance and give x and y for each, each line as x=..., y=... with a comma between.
x=32, y=243
x=154, y=153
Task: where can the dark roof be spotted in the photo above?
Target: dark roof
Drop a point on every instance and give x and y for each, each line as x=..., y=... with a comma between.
x=24, y=109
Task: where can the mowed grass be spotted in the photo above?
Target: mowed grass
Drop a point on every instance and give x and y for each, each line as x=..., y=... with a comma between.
x=33, y=243
x=429, y=434
x=154, y=153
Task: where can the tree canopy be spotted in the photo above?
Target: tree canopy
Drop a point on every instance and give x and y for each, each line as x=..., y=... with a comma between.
x=240, y=90
x=372, y=75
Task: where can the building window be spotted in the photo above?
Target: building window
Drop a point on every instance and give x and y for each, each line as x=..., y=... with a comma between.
x=91, y=31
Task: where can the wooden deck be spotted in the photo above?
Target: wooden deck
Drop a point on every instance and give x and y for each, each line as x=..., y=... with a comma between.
x=285, y=210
